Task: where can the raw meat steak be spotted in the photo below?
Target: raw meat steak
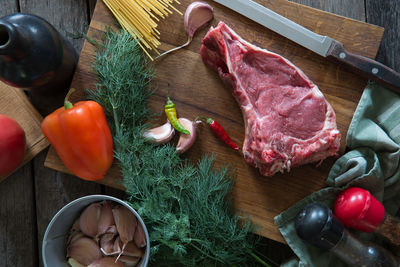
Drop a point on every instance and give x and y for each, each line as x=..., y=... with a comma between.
x=287, y=120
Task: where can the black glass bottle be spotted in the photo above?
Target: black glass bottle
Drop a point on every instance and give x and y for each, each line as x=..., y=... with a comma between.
x=34, y=56
x=317, y=225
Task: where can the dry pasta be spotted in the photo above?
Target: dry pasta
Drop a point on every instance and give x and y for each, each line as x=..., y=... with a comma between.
x=140, y=17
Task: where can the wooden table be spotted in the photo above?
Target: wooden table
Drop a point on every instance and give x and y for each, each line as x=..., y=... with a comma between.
x=32, y=195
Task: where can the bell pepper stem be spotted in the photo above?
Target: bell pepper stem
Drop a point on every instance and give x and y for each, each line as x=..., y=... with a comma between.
x=67, y=103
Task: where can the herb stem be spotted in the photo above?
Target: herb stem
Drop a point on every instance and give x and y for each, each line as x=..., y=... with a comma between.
x=205, y=254
x=116, y=121
x=259, y=259
x=271, y=261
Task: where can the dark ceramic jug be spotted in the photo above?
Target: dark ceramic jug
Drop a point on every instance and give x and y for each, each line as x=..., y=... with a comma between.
x=34, y=56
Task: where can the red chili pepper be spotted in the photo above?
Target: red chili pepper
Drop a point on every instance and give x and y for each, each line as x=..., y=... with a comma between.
x=221, y=133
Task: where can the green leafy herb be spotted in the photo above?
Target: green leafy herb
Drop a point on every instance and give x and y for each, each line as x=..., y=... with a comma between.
x=185, y=206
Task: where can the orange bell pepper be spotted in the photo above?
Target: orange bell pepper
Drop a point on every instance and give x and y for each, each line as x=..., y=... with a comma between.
x=81, y=136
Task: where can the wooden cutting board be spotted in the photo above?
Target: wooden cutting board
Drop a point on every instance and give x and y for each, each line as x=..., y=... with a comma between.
x=15, y=104
x=196, y=90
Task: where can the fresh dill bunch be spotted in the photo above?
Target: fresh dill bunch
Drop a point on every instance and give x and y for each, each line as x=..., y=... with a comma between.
x=185, y=206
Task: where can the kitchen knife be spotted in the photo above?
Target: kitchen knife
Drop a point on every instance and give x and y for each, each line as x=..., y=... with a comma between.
x=322, y=45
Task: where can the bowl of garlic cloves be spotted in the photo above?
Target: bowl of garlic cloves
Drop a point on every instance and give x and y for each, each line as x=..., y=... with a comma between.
x=96, y=231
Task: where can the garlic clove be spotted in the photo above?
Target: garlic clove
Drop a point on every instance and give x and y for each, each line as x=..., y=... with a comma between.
x=107, y=262
x=75, y=226
x=106, y=220
x=139, y=237
x=107, y=244
x=89, y=219
x=117, y=247
x=75, y=236
x=126, y=223
x=197, y=14
x=161, y=134
x=84, y=250
x=112, y=229
x=132, y=250
x=186, y=140
x=74, y=263
x=129, y=261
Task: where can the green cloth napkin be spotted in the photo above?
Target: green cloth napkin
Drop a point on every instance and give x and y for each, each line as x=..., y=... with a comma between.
x=372, y=163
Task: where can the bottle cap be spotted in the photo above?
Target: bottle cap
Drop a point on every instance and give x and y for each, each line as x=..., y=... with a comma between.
x=317, y=225
x=358, y=209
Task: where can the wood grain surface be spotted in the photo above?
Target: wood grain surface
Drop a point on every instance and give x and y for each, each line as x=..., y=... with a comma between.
x=197, y=90
x=33, y=194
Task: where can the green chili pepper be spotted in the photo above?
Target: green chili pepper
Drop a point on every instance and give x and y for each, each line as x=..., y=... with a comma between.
x=170, y=111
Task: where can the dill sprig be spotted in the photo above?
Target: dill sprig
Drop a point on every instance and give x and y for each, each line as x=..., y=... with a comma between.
x=185, y=206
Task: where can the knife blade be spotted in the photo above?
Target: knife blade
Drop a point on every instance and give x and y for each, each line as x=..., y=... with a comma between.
x=320, y=44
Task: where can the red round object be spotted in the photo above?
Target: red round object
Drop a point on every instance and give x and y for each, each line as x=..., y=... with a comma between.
x=12, y=145
x=357, y=208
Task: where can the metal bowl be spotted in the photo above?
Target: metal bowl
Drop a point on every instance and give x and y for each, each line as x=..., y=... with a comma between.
x=54, y=240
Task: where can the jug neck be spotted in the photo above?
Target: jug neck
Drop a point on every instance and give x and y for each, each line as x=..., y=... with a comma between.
x=11, y=42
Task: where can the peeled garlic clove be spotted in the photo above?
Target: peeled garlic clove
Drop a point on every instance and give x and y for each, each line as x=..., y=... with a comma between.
x=89, y=219
x=107, y=262
x=107, y=244
x=106, y=220
x=126, y=223
x=132, y=250
x=186, y=140
x=161, y=134
x=139, y=237
x=129, y=261
x=74, y=263
x=196, y=15
x=84, y=250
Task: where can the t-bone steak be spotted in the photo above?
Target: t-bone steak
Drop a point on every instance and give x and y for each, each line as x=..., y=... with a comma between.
x=287, y=120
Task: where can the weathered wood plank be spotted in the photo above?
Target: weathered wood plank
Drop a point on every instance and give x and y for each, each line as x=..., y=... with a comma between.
x=18, y=243
x=387, y=15
x=8, y=7
x=69, y=17
x=354, y=9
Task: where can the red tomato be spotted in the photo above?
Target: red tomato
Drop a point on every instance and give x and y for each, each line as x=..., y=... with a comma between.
x=12, y=144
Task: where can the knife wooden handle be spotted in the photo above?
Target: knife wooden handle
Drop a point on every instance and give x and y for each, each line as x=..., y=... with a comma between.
x=364, y=66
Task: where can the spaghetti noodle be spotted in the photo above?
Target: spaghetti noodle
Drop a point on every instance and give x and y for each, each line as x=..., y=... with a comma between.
x=140, y=17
